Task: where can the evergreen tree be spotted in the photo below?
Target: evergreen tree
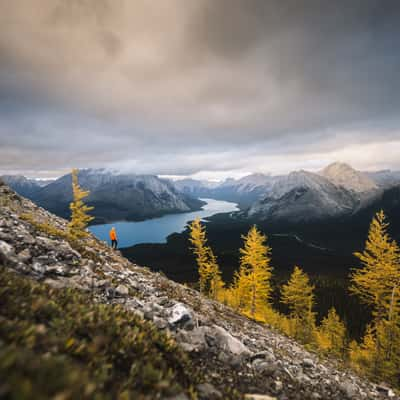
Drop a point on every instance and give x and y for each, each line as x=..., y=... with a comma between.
x=253, y=281
x=363, y=357
x=388, y=350
x=79, y=217
x=377, y=284
x=198, y=239
x=331, y=335
x=239, y=291
x=380, y=273
x=215, y=282
x=298, y=295
x=379, y=353
x=210, y=280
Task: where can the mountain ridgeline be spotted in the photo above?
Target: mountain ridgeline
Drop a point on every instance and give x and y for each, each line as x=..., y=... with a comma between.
x=113, y=196
x=336, y=191
x=300, y=196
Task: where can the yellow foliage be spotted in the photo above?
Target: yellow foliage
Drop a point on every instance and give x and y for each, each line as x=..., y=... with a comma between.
x=377, y=284
x=210, y=280
x=298, y=295
x=363, y=356
x=252, y=284
x=274, y=318
x=379, y=354
x=79, y=210
x=331, y=335
x=380, y=273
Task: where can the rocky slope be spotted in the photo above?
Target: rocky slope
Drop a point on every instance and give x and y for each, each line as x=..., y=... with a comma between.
x=228, y=349
x=117, y=196
x=344, y=175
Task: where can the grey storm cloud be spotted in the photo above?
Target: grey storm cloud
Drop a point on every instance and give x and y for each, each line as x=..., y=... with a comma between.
x=184, y=86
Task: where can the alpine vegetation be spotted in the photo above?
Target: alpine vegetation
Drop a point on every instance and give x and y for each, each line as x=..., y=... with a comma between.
x=210, y=282
x=79, y=210
x=376, y=283
x=79, y=320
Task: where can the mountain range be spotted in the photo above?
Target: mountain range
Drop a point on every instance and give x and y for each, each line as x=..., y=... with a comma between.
x=24, y=186
x=302, y=196
x=114, y=196
x=337, y=190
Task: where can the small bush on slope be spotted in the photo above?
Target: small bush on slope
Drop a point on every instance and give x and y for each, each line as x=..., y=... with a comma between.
x=58, y=344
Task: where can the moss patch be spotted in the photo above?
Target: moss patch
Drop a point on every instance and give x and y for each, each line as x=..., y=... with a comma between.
x=55, y=343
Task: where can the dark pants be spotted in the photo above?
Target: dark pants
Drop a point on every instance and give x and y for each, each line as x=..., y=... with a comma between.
x=114, y=244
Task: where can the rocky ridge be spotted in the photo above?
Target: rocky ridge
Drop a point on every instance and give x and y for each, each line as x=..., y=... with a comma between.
x=231, y=349
x=342, y=174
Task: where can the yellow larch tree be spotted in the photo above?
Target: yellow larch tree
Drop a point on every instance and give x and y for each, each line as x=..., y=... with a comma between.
x=79, y=210
x=215, y=282
x=238, y=291
x=253, y=281
x=363, y=357
x=377, y=283
x=198, y=240
x=379, y=276
x=210, y=280
x=379, y=353
x=331, y=335
x=298, y=295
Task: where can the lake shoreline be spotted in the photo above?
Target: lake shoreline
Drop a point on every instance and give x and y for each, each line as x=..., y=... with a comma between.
x=157, y=230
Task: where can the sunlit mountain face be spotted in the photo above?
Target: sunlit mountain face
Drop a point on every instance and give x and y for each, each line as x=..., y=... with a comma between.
x=199, y=89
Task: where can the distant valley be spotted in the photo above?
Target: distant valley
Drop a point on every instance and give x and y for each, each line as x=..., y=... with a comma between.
x=315, y=220
x=298, y=199
x=338, y=191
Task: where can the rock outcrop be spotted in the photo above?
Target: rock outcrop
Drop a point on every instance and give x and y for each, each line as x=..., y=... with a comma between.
x=231, y=349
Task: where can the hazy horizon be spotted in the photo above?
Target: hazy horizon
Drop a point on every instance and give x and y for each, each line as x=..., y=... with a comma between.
x=198, y=176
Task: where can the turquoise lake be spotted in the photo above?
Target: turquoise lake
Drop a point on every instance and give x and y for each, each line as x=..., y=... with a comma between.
x=157, y=230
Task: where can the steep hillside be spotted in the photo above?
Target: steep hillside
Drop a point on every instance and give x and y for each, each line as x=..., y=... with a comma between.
x=117, y=196
x=82, y=330
x=303, y=196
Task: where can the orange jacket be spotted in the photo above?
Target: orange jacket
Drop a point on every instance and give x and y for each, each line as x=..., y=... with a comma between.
x=113, y=234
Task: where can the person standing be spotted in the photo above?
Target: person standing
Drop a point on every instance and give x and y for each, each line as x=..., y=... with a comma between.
x=113, y=238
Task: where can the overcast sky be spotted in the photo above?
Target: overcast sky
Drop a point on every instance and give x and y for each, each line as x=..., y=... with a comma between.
x=208, y=88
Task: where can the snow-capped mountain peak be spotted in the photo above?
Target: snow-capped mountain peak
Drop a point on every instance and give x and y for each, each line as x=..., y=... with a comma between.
x=344, y=175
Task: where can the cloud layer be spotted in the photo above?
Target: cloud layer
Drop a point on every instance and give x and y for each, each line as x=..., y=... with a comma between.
x=198, y=86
